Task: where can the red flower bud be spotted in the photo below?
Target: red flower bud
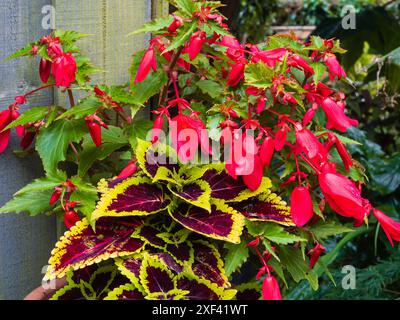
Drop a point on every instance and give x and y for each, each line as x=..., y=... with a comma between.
x=95, y=132
x=253, y=180
x=270, y=289
x=308, y=116
x=280, y=138
x=20, y=100
x=99, y=92
x=336, y=116
x=343, y=196
x=44, y=70
x=267, y=151
x=195, y=44
x=236, y=74
x=254, y=243
x=71, y=218
x=263, y=270
x=55, y=196
x=129, y=170
x=334, y=67
x=157, y=127
x=260, y=105
x=346, y=158
x=177, y=23
x=5, y=120
x=389, y=226
x=301, y=206
x=315, y=254
x=64, y=70
x=308, y=143
x=297, y=61
x=148, y=62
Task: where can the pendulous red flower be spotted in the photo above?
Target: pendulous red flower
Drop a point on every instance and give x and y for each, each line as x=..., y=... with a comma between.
x=45, y=70
x=64, y=70
x=71, y=218
x=342, y=195
x=334, y=67
x=148, y=62
x=336, y=116
x=128, y=171
x=389, y=226
x=267, y=151
x=308, y=143
x=236, y=73
x=315, y=254
x=270, y=289
x=301, y=206
x=195, y=44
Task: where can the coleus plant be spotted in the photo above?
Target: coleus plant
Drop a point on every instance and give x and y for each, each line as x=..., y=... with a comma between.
x=174, y=216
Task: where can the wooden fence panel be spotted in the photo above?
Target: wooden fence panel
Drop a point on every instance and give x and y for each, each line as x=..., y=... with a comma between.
x=25, y=243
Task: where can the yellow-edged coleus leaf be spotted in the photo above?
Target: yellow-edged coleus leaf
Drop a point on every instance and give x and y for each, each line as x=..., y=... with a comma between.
x=267, y=206
x=197, y=193
x=222, y=222
x=82, y=246
x=136, y=196
x=208, y=264
x=174, y=294
x=155, y=276
x=158, y=161
x=226, y=188
x=149, y=235
x=130, y=268
x=125, y=292
x=248, y=291
x=202, y=289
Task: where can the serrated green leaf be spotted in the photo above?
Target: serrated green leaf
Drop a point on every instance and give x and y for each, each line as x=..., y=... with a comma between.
x=212, y=88
x=41, y=184
x=182, y=36
x=144, y=90
x=20, y=53
x=237, y=255
x=326, y=229
x=32, y=203
x=139, y=130
x=70, y=36
x=31, y=115
x=85, y=107
x=52, y=142
x=186, y=6
x=154, y=25
x=319, y=69
x=258, y=75
x=277, y=234
x=293, y=261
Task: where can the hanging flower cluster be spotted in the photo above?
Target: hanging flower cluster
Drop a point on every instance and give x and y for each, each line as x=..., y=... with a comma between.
x=238, y=130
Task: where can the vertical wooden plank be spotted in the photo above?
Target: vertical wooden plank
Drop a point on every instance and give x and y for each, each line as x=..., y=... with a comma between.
x=25, y=243
x=110, y=21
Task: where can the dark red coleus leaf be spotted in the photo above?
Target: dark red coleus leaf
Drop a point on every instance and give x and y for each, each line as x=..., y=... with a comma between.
x=223, y=186
x=266, y=207
x=81, y=246
x=149, y=234
x=155, y=276
x=125, y=292
x=134, y=196
x=221, y=223
x=208, y=264
x=197, y=290
x=248, y=292
x=182, y=252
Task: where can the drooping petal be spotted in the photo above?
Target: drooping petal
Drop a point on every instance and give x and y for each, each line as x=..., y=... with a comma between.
x=270, y=289
x=301, y=207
